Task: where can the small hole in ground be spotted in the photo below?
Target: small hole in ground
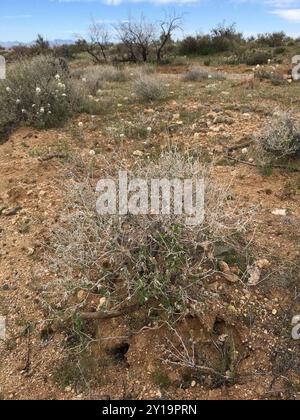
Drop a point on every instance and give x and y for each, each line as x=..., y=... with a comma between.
x=119, y=352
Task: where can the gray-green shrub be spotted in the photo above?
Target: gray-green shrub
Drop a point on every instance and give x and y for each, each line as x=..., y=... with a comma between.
x=279, y=139
x=40, y=93
x=149, y=88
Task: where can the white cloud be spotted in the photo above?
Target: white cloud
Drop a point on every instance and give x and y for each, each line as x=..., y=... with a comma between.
x=292, y=15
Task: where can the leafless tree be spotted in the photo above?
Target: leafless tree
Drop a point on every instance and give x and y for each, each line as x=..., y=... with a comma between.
x=167, y=27
x=138, y=38
x=97, y=43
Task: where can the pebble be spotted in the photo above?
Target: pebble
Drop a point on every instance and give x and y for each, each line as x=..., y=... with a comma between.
x=138, y=153
x=279, y=212
x=102, y=302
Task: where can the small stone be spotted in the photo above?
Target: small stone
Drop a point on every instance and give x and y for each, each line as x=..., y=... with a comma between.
x=263, y=264
x=224, y=267
x=81, y=295
x=30, y=251
x=222, y=119
x=102, y=303
x=254, y=275
x=279, y=212
x=138, y=153
x=193, y=384
x=223, y=338
x=274, y=312
x=11, y=212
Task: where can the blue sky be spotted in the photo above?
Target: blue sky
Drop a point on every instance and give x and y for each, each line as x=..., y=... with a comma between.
x=22, y=19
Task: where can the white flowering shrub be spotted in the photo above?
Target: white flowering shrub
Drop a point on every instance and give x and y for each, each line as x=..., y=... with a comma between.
x=38, y=92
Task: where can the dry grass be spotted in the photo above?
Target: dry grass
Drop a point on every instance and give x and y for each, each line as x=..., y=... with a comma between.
x=95, y=76
x=279, y=139
x=197, y=74
x=148, y=88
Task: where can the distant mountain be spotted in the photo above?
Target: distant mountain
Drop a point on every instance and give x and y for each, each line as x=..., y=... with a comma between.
x=9, y=44
x=55, y=42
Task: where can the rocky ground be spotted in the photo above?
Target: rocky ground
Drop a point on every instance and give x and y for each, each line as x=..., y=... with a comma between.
x=244, y=328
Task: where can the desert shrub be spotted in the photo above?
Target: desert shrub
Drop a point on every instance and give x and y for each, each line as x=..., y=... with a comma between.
x=95, y=76
x=279, y=139
x=197, y=74
x=220, y=39
x=155, y=259
x=199, y=45
x=274, y=77
x=275, y=39
x=39, y=92
x=257, y=57
x=134, y=72
x=225, y=38
x=279, y=50
x=189, y=46
x=180, y=61
x=148, y=88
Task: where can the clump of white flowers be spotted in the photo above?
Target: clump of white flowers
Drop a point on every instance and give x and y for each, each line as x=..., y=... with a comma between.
x=34, y=95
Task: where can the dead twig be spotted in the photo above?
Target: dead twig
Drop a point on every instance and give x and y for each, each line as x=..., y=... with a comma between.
x=238, y=146
x=254, y=165
x=109, y=315
x=52, y=156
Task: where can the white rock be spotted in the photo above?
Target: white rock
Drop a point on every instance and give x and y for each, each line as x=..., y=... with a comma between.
x=279, y=212
x=138, y=153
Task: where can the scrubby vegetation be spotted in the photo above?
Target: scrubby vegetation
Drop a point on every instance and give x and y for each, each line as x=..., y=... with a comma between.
x=143, y=259
x=141, y=41
x=197, y=74
x=280, y=139
x=148, y=87
x=39, y=92
x=148, y=306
